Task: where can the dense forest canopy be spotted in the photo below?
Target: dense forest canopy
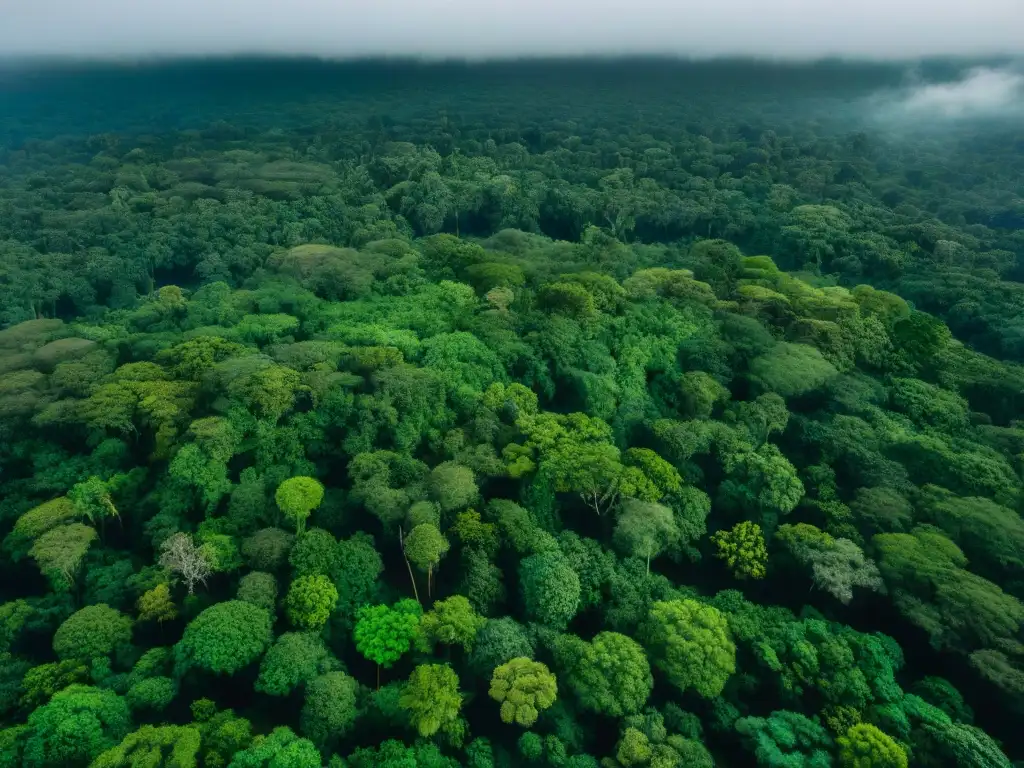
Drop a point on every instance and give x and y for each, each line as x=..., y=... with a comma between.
x=571, y=414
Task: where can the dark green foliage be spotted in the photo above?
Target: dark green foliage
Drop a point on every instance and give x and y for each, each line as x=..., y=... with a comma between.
x=990, y=535
x=224, y=734
x=497, y=642
x=225, y=637
x=936, y=740
x=786, y=739
x=358, y=566
x=154, y=693
x=593, y=566
x=247, y=507
x=12, y=671
x=294, y=658
x=280, y=748
x=499, y=374
x=330, y=708
x=691, y=643
x=791, y=369
x=165, y=746
x=96, y=630
x=882, y=510
x=260, y=589
x=452, y=485
x=267, y=549
x=395, y=754
x=610, y=675
x=483, y=582
x=314, y=553
x=968, y=611
x=110, y=584
x=940, y=693
x=631, y=592
x=74, y=727
x=38, y=684
x=530, y=747
x=550, y=589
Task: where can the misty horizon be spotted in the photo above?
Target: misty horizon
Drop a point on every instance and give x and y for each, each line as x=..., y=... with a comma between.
x=458, y=29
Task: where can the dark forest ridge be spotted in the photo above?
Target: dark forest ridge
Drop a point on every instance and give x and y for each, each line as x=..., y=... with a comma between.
x=249, y=88
x=69, y=96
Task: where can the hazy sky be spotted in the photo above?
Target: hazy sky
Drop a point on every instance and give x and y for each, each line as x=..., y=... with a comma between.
x=486, y=28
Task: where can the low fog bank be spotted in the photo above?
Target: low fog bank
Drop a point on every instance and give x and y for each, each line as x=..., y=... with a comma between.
x=993, y=94
x=794, y=29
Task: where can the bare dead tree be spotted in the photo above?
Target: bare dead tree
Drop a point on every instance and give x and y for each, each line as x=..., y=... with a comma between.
x=412, y=578
x=181, y=556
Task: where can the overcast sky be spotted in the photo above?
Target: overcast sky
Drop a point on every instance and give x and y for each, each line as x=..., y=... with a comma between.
x=500, y=28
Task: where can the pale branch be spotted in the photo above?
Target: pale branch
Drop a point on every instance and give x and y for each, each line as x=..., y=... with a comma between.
x=180, y=556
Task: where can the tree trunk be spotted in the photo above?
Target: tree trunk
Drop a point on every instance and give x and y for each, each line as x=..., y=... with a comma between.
x=412, y=578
